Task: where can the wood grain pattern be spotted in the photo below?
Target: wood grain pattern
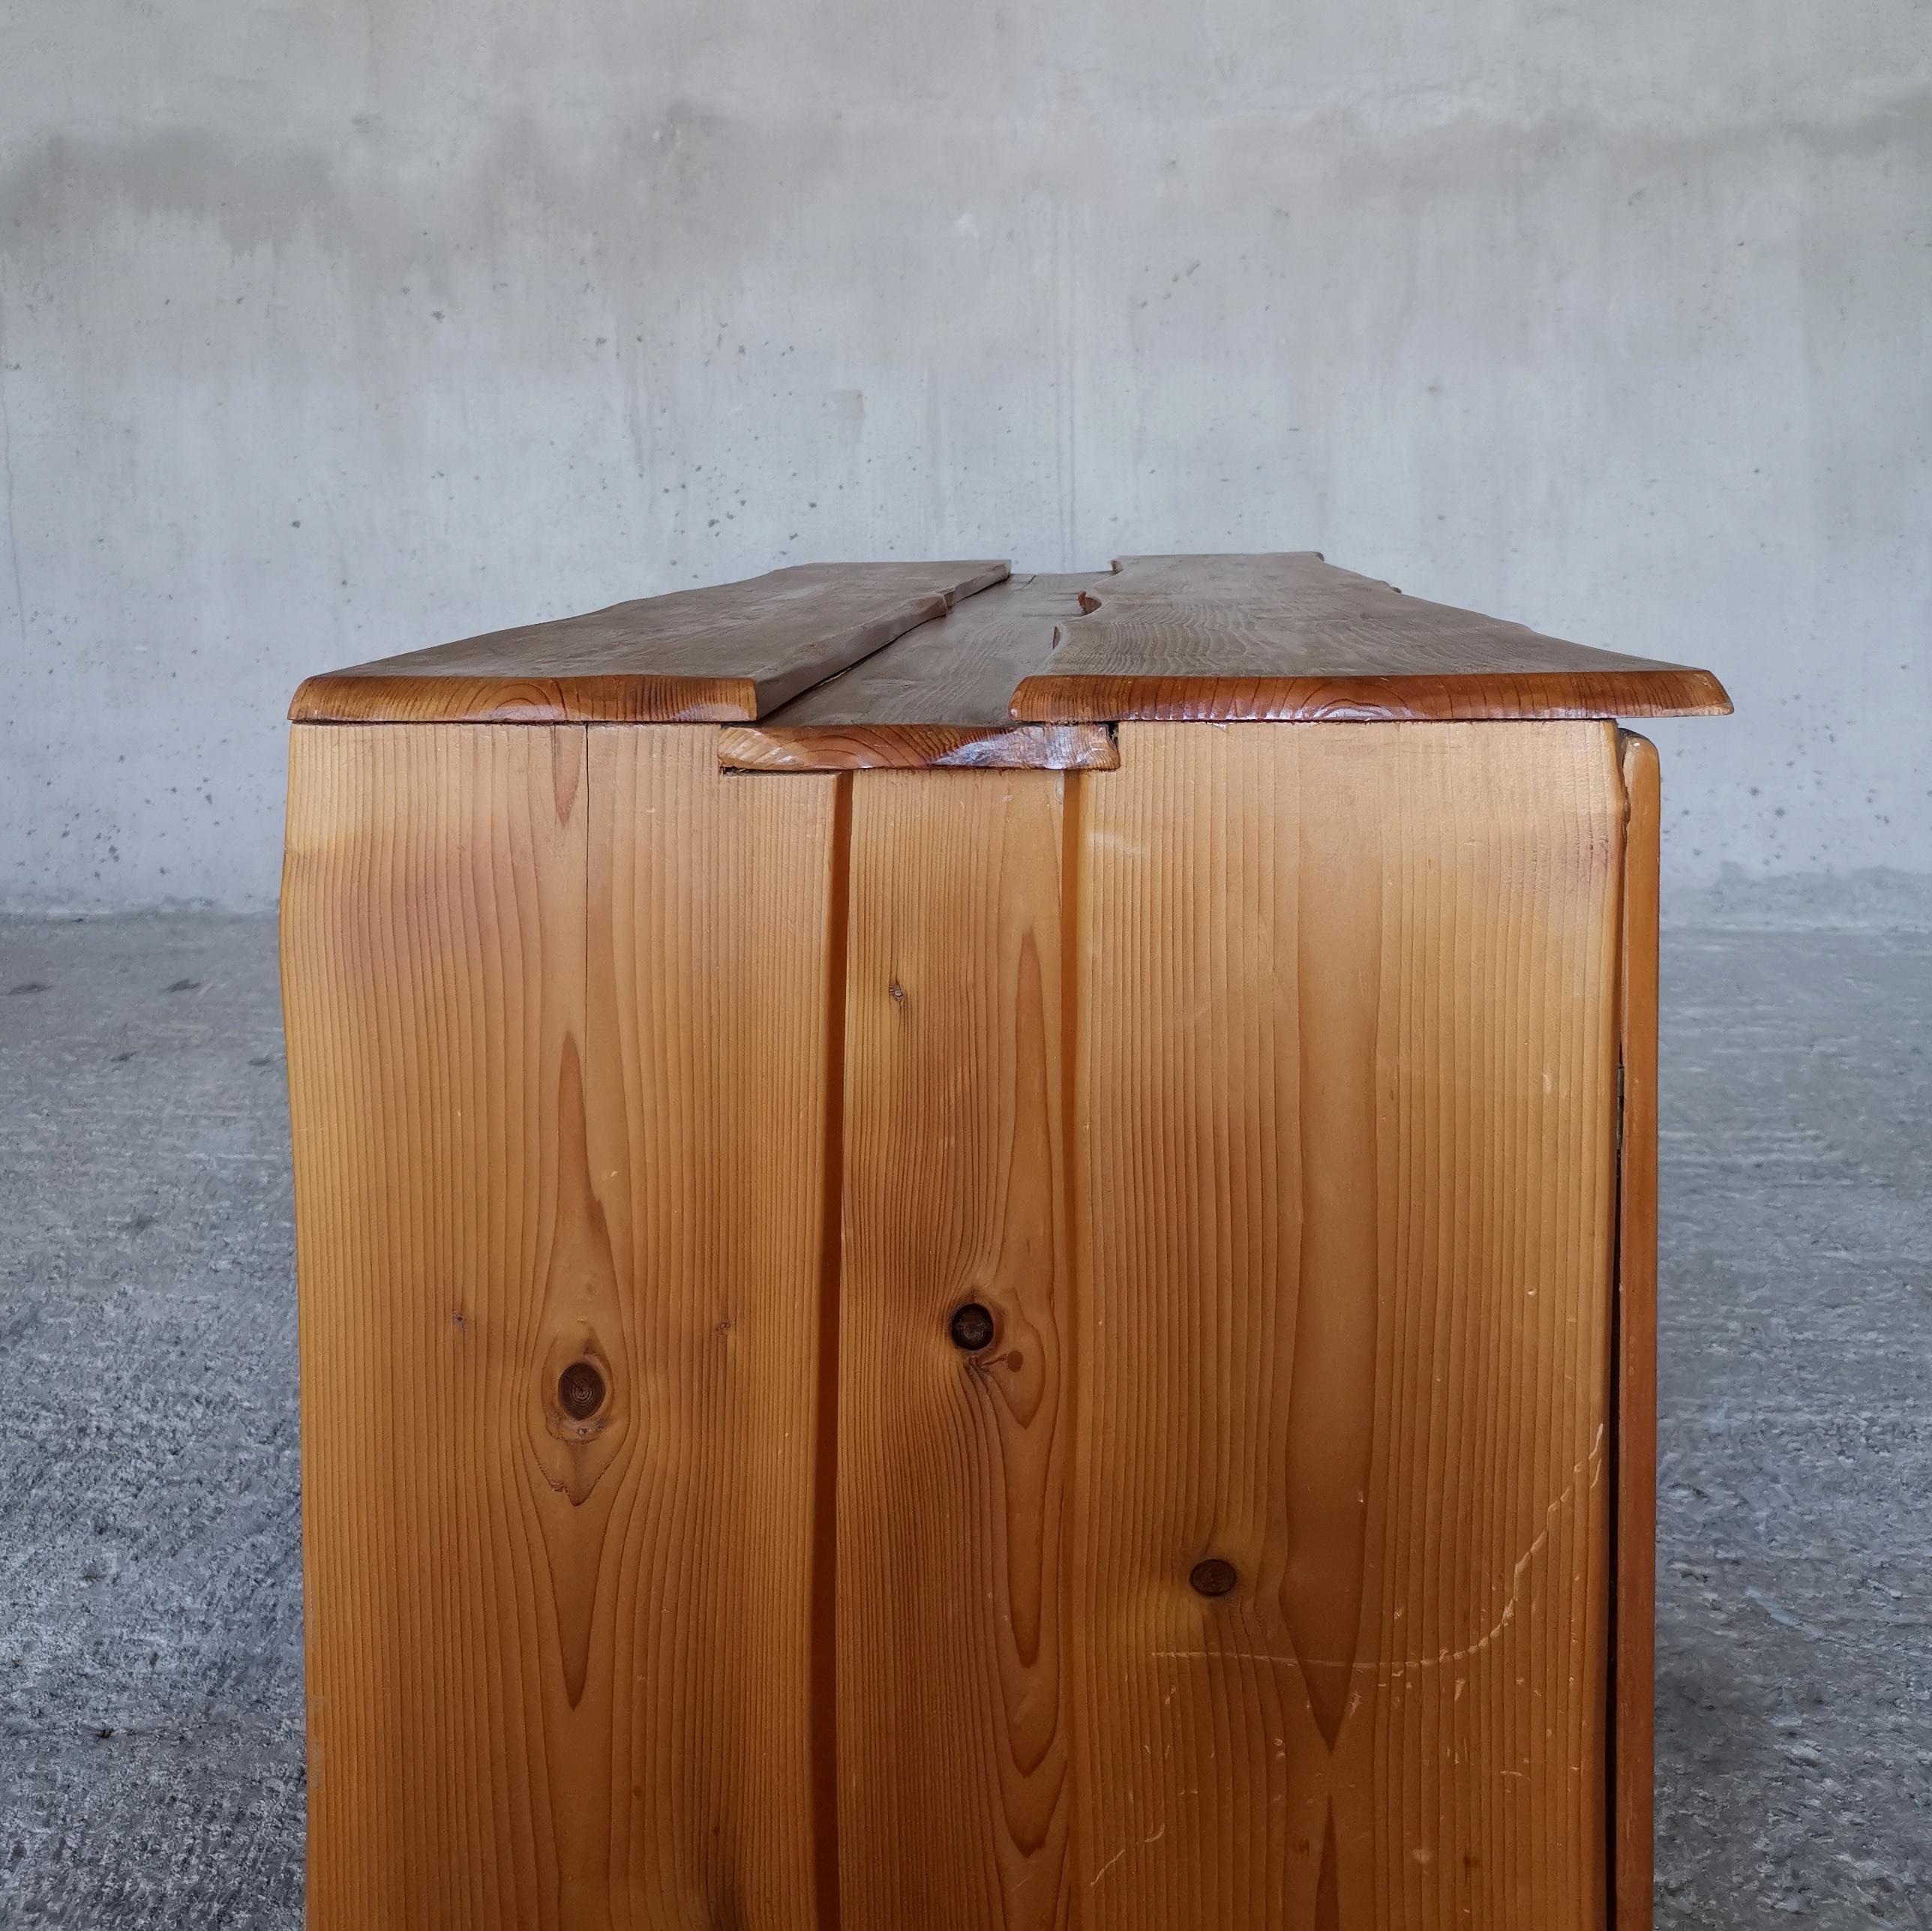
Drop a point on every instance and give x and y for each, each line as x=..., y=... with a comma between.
x=1633, y=1708
x=880, y=648
x=1288, y=637
x=1265, y=1087
x=954, y=1745
x=1346, y=1088
x=936, y=698
x=917, y=747
x=960, y=668
x=729, y=651
x=560, y=1661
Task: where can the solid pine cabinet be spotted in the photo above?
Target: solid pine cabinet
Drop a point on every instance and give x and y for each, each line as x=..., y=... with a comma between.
x=978, y=1252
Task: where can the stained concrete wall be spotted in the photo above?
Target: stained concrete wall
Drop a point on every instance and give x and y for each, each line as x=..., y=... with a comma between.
x=329, y=330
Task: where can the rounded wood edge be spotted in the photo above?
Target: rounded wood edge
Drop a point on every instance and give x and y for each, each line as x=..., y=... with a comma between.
x=1631, y=1735
x=344, y=697
x=1528, y=696
x=989, y=574
x=1078, y=747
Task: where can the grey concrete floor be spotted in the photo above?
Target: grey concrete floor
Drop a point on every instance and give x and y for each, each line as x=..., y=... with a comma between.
x=151, y=1744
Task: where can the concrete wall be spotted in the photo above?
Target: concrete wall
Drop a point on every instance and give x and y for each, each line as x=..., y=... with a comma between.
x=330, y=330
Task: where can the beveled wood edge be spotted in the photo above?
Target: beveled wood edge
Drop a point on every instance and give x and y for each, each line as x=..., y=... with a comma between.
x=345, y=698
x=1530, y=696
x=354, y=695
x=1632, y=1736
x=1082, y=747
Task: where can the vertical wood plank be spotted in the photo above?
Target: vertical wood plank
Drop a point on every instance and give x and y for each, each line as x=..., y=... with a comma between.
x=560, y=1291
x=1347, y=1075
x=433, y=939
x=953, y=1743
x=713, y=951
x=1632, y=1710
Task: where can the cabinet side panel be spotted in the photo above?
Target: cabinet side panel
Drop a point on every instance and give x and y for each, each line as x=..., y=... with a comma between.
x=952, y=1734
x=1347, y=1061
x=432, y=974
x=713, y=962
x=1633, y=1702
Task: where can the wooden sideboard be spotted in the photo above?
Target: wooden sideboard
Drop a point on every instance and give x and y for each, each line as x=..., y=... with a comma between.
x=979, y=1252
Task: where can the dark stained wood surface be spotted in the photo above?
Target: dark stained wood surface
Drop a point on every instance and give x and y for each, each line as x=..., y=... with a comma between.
x=724, y=654
x=1289, y=636
x=936, y=698
x=960, y=668
x=858, y=666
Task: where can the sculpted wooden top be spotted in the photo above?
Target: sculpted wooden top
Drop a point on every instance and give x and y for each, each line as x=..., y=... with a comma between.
x=938, y=697
x=839, y=666
x=1289, y=636
x=730, y=652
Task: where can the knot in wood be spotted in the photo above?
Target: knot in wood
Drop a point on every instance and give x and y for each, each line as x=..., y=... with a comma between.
x=972, y=1328
x=1214, y=1577
x=580, y=1390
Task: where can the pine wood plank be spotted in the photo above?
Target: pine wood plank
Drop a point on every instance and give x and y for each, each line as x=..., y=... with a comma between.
x=953, y=1691
x=1289, y=636
x=558, y=1631
x=1346, y=1064
x=716, y=953
x=1633, y=1695
x=432, y=938
x=726, y=652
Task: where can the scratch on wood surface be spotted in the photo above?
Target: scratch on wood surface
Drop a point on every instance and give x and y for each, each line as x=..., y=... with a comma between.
x=1592, y=1462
